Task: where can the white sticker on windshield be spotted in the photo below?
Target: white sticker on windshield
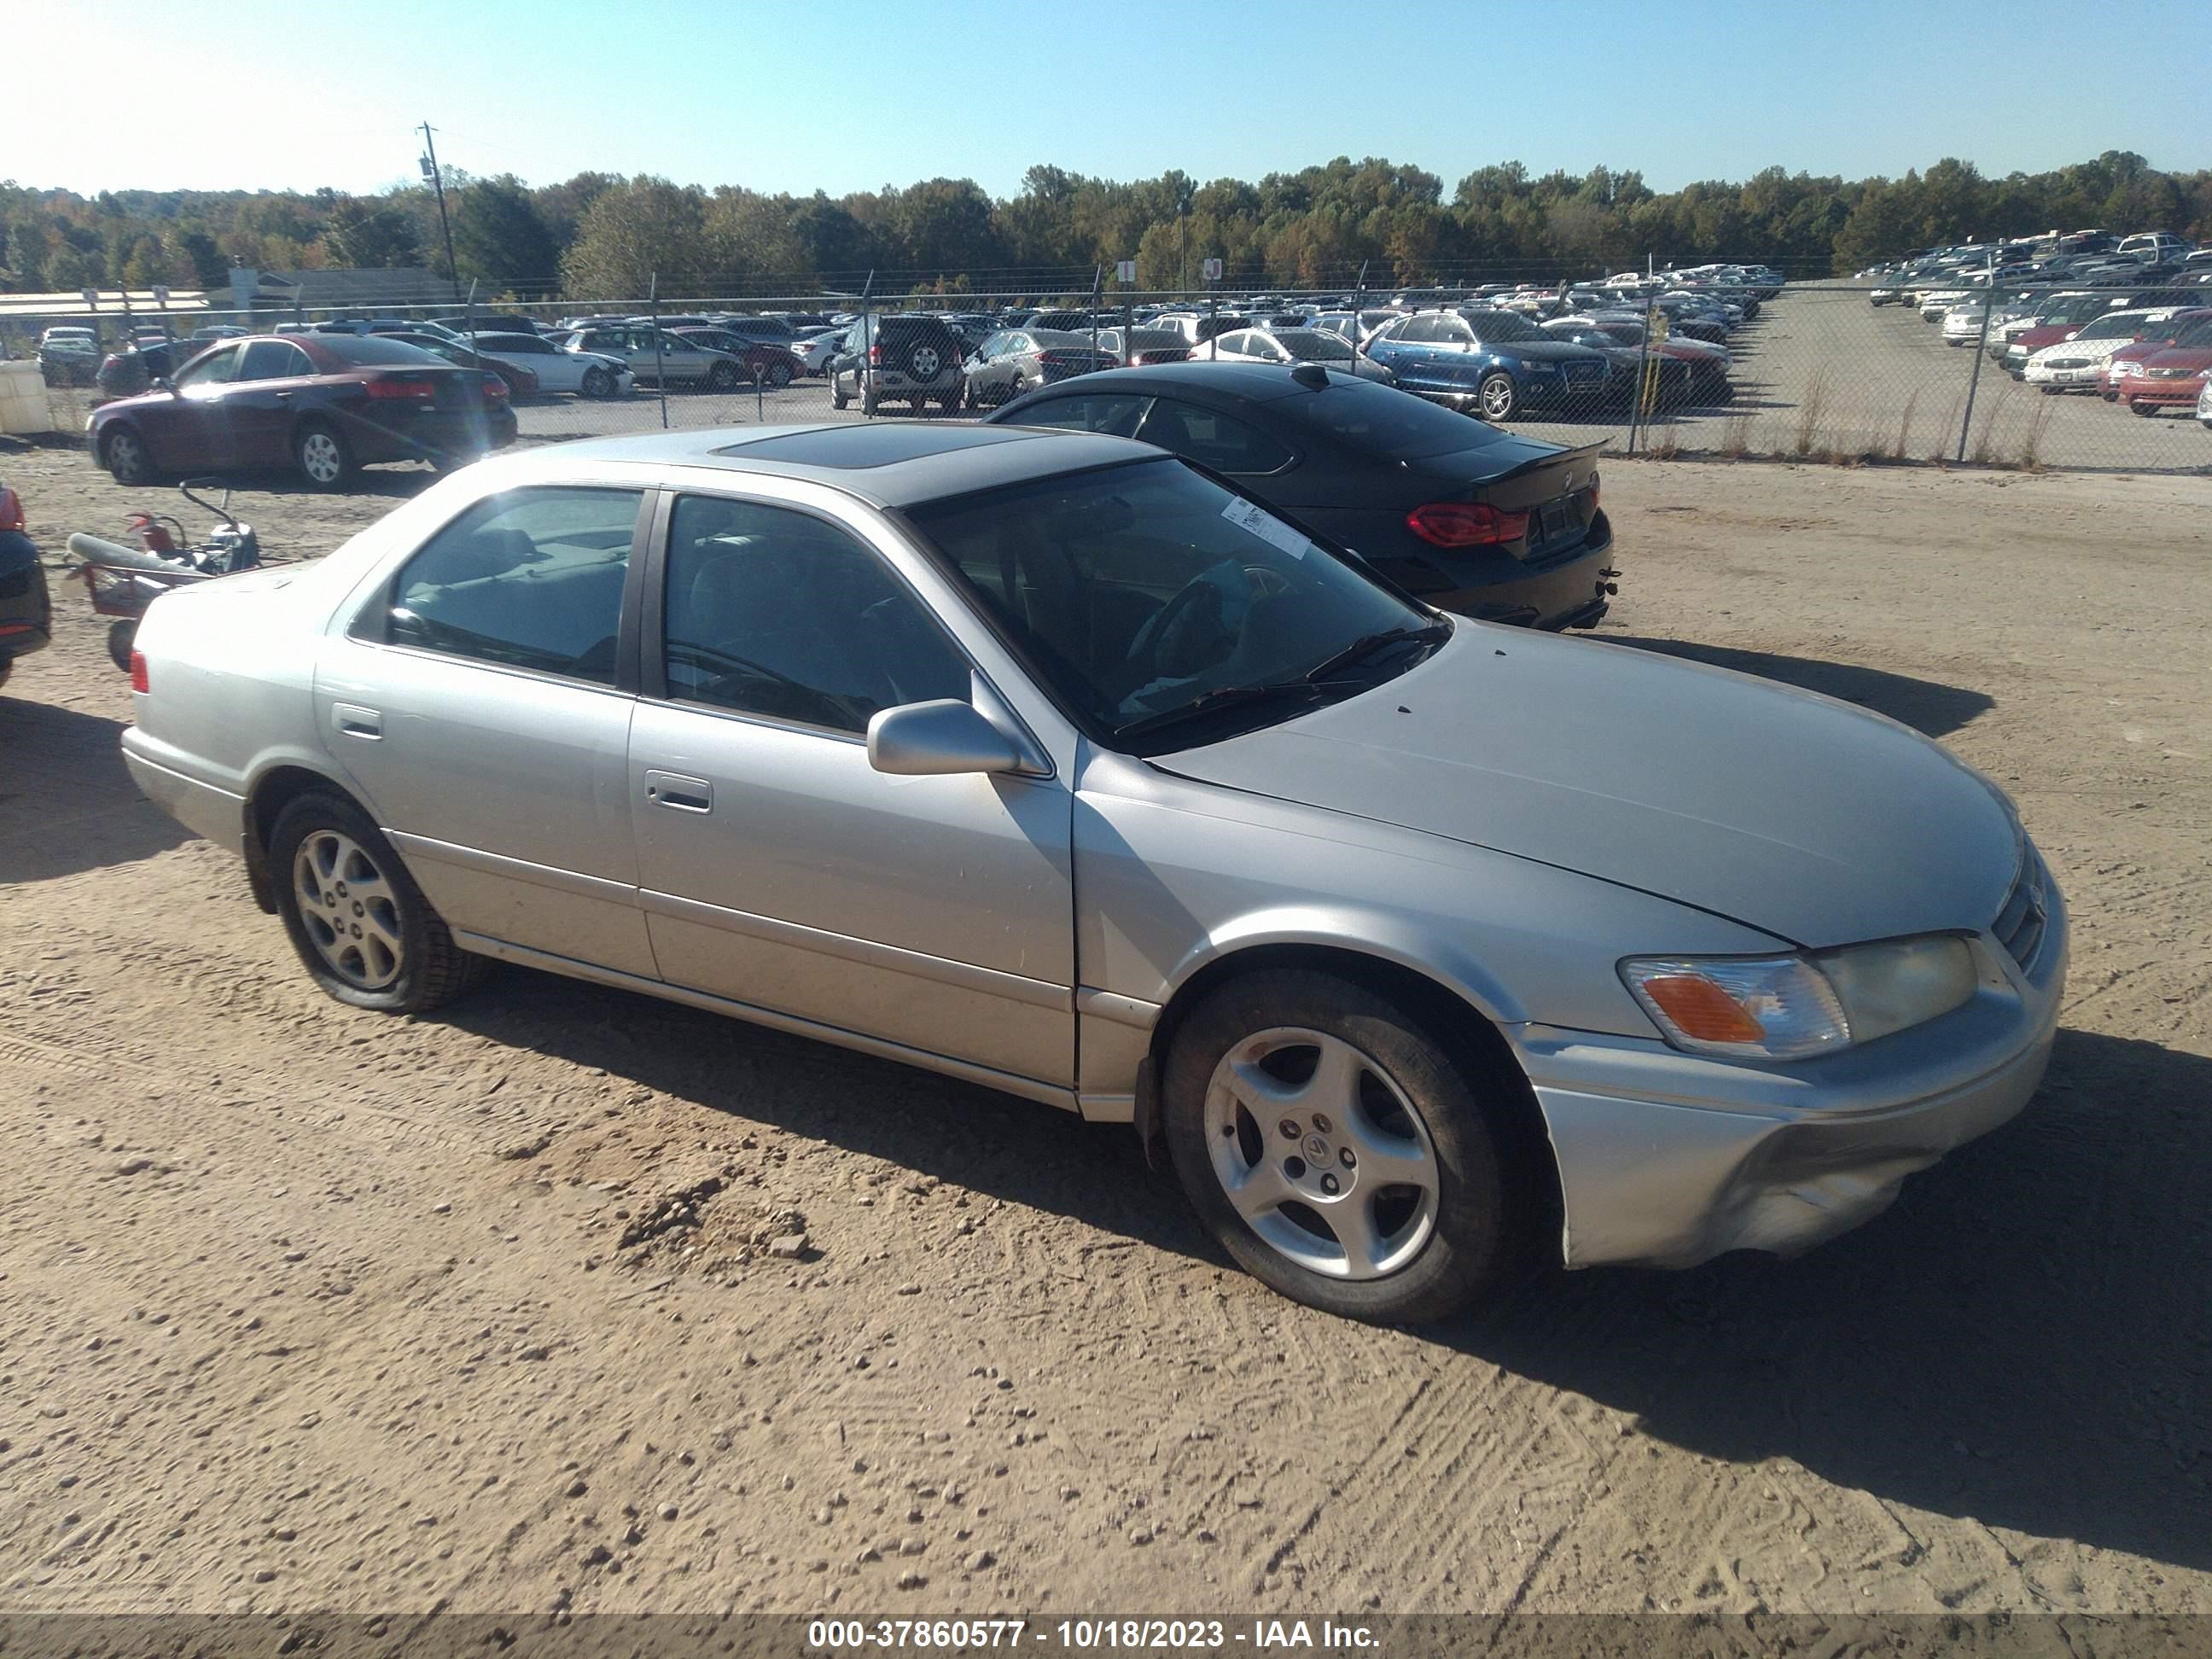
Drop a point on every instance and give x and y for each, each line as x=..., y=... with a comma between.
x=1255, y=520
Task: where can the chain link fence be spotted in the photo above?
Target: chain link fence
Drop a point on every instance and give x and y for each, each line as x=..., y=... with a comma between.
x=1839, y=371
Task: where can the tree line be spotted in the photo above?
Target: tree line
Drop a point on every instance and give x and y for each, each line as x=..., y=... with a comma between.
x=608, y=236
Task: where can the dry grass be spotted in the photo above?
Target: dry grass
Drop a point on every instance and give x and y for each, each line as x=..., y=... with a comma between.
x=1736, y=437
x=1946, y=435
x=1809, y=412
x=2029, y=456
x=1903, y=446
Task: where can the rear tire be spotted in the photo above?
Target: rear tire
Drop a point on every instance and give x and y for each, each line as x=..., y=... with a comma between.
x=320, y=455
x=723, y=377
x=122, y=638
x=1368, y=1180
x=838, y=399
x=778, y=376
x=365, y=934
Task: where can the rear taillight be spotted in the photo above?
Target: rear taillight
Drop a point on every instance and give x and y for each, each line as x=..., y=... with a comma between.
x=1594, y=481
x=138, y=671
x=401, y=387
x=1463, y=524
x=11, y=509
x=875, y=354
x=494, y=388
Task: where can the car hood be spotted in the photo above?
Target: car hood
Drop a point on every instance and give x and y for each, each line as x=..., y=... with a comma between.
x=1805, y=817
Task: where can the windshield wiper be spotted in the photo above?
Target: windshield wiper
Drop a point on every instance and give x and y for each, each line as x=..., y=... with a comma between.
x=1221, y=698
x=1368, y=644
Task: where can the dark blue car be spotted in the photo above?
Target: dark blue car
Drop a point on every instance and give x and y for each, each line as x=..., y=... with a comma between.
x=1492, y=363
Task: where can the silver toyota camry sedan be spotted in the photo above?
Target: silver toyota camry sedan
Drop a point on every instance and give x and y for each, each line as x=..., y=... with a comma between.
x=1419, y=947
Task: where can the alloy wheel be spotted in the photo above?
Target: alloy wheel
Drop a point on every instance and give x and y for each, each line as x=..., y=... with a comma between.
x=349, y=909
x=1321, y=1153
x=321, y=459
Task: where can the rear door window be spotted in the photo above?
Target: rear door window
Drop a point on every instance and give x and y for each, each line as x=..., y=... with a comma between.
x=1213, y=438
x=528, y=579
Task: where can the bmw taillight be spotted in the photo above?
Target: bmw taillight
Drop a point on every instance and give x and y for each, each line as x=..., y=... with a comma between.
x=1465, y=524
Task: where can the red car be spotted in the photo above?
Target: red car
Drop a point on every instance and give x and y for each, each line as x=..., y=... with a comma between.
x=761, y=360
x=2156, y=338
x=2173, y=376
x=323, y=404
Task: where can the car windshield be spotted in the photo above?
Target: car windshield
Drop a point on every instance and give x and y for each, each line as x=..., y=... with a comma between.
x=2196, y=335
x=2111, y=328
x=1382, y=421
x=1166, y=610
x=1501, y=325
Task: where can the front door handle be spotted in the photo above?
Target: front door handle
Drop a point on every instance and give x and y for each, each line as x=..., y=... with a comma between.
x=353, y=720
x=679, y=793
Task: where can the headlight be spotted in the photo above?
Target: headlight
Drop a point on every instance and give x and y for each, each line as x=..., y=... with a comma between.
x=1792, y=1007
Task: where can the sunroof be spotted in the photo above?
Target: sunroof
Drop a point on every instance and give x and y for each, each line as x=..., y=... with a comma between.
x=872, y=444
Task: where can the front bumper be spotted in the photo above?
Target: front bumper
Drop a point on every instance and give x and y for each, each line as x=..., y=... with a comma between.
x=26, y=604
x=2092, y=375
x=2171, y=394
x=1667, y=1158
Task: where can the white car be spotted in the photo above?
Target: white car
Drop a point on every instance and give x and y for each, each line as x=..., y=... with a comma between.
x=2205, y=406
x=1935, y=301
x=1962, y=322
x=587, y=373
x=2080, y=361
x=814, y=350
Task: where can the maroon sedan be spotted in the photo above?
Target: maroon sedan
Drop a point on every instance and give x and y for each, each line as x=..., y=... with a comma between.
x=757, y=360
x=321, y=403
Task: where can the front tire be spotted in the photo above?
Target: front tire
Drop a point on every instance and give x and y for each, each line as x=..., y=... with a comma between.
x=2136, y=406
x=723, y=377
x=126, y=456
x=1498, y=396
x=360, y=925
x=1335, y=1149
x=322, y=458
x=599, y=385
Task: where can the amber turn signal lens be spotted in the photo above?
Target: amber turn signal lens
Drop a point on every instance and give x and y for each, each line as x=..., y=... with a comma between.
x=1702, y=1010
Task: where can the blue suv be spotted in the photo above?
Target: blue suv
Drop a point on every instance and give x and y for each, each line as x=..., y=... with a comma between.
x=1491, y=363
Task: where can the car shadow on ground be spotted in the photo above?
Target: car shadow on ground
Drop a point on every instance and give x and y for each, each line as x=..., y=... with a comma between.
x=1928, y=706
x=2021, y=1340
x=2018, y=1340
x=67, y=804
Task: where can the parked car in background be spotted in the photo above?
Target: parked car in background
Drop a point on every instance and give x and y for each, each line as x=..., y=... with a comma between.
x=520, y=382
x=490, y=322
x=1470, y=518
x=68, y=358
x=769, y=331
x=656, y=356
x=1495, y=363
x=1019, y=360
x=1296, y=345
x=557, y=368
x=214, y=331
x=2155, y=337
x=27, y=611
x=1197, y=327
x=321, y=403
x=1345, y=324
x=815, y=350
x=2204, y=407
x=908, y=357
x=773, y=365
x=2077, y=362
x=1139, y=347
x=2172, y=377
x=126, y=372
x=1708, y=364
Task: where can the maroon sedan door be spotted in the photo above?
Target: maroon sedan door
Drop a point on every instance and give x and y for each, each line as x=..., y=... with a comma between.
x=273, y=383
x=188, y=428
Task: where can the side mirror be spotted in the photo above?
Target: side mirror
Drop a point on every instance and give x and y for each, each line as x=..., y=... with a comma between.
x=937, y=739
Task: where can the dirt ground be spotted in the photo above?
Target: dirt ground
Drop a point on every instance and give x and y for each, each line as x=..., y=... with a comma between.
x=306, y=1308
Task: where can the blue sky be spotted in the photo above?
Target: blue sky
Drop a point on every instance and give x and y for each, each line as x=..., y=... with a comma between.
x=792, y=97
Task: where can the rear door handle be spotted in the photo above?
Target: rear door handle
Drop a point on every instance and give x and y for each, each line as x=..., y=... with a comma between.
x=353, y=720
x=679, y=793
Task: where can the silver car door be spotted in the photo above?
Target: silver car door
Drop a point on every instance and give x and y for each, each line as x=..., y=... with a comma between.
x=777, y=867
x=479, y=701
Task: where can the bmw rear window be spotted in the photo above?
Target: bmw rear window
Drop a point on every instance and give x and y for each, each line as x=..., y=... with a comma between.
x=1383, y=421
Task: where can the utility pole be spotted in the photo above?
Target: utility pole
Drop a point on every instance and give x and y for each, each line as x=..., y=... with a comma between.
x=444, y=224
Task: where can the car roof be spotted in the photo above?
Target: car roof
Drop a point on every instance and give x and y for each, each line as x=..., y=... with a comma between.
x=892, y=463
